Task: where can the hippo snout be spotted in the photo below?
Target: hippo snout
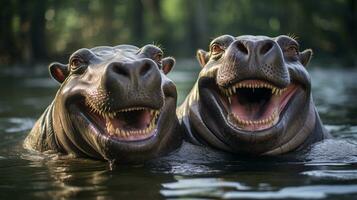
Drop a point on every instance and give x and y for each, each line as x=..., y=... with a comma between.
x=254, y=59
x=133, y=71
x=259, y=48
x=133, y=82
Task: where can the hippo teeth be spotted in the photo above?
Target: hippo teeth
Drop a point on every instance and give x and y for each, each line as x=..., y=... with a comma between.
x=127, y=133
x=270, y=121
x=252, y=85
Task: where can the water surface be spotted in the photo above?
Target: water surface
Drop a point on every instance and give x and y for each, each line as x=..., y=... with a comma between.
x=206, y=175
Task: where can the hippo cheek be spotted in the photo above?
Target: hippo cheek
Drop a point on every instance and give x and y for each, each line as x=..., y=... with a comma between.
x=298, y=122
x=89, y=139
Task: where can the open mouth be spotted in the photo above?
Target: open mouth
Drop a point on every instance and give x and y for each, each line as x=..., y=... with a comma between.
x=129, y=124
x=254, y=105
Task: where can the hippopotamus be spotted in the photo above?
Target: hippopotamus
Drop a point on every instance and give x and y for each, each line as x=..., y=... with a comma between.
x=114, y=103
x=252, y=97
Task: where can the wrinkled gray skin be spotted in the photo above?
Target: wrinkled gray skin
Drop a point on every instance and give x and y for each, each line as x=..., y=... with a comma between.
x=247, y=57
x=111, y=79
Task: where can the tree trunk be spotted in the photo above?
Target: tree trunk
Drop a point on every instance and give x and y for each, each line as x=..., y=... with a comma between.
x=8, y=48
x=136, y=21
x=37, y=30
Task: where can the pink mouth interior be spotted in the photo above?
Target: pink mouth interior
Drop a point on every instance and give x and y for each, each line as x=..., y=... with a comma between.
x=258, y=104
x=132, y=120
x=137, y=124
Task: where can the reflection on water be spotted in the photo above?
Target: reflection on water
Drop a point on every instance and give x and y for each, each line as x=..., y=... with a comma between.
x=328, y=172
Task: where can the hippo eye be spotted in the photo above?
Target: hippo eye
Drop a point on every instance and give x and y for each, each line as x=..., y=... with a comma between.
x=76, y=63
x=216, y=49
x=158, y=57
x=291, y=51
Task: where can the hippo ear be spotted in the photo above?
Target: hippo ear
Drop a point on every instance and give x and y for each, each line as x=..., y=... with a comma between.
x=58, y=71
x=202, y=57
x=167, y=64
x=305, y=57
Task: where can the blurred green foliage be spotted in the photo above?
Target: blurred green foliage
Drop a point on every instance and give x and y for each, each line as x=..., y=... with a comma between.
x=34, y=30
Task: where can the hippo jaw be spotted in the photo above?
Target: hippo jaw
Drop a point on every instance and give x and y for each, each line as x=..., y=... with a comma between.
x=255, y=105
x=127, y=125
x=250, y=108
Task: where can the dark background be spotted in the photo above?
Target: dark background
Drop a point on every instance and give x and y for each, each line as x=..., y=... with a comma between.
x=38, y=31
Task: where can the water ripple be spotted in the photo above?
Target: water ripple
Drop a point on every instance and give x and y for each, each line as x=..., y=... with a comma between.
x=333, y=174
x=19, y=124
x=304, y=192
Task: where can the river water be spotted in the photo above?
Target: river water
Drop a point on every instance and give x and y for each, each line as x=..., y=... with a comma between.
x=187, y=175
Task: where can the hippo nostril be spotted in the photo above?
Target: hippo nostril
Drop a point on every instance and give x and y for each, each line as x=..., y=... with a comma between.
x=145, y=69
x=266, y=47
x=241, y=47
x=120, y=70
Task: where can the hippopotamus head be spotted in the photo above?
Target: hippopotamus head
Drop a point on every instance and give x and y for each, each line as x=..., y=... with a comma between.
x=115, y=103
x=253, y=95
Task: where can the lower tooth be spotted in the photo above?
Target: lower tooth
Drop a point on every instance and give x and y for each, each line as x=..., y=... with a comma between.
x=110, y=131
x=240, y=121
